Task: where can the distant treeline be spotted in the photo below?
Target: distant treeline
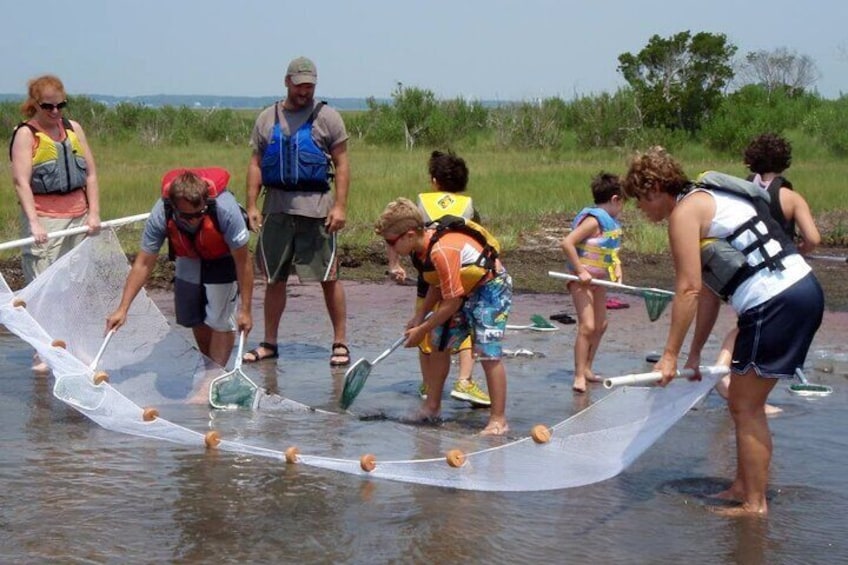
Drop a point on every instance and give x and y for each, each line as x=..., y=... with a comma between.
x=414, y=116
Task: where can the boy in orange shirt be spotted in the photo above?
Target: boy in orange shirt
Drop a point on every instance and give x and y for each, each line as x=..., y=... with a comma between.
x=469, y=292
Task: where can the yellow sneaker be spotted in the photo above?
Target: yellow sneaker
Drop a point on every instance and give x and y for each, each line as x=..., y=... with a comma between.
x=470, y=392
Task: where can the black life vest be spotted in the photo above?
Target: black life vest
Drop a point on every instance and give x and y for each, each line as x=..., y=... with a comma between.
x=486, y=260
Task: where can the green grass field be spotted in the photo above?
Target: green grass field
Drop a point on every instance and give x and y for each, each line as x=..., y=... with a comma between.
x=517, y=192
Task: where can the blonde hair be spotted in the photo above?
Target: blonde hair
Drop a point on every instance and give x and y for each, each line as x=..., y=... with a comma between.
x=654, y=170
x=35, y=91
x=399, y=216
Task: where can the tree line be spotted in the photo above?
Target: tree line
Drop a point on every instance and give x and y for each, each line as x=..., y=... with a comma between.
x=682, y=88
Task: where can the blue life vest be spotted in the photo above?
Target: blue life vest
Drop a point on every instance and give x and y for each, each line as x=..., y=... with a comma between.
x=599, y=254
x=295, y=162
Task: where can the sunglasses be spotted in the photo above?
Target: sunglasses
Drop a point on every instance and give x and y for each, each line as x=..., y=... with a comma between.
x=191, y=215
x=390, y=241
x=50, y=107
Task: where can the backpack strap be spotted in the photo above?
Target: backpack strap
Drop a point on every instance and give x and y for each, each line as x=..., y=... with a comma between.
x=15, y=132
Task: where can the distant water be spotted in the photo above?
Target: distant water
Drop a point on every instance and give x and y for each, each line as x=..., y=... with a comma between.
x=75, y=493
x=234, y=102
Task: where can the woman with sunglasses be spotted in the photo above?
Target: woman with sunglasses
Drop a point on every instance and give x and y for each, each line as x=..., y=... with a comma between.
x=54, y=176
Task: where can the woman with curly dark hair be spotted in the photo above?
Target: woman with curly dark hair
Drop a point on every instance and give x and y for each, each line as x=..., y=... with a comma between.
x=767, y=156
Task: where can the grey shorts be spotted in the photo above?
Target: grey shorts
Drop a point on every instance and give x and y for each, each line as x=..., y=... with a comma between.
x=290, y=241
x=210, y=304
x=213, y=301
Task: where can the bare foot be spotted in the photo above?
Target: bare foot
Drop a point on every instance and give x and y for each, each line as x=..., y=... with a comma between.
x=423, y=415
x=772, y=410
x=39, y=366
x=579, y=385
x=733, y=494
x=495, y=428
x=740, y=511
x=593, y=378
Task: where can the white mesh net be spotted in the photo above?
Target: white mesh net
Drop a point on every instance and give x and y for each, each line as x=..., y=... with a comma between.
x=151, y=365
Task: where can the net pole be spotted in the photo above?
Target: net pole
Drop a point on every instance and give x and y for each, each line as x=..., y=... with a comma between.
x=73, y=231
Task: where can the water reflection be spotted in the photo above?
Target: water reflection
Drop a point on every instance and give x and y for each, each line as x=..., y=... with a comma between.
x=74, y=492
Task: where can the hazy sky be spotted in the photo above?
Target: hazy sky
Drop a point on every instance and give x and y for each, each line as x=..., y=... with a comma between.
x=478, y=49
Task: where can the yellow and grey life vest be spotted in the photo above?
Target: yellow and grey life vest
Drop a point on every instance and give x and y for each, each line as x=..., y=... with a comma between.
x=58, y=167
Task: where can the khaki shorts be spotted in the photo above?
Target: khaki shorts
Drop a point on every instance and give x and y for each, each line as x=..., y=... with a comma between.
x=290, y=241
x=36, y=258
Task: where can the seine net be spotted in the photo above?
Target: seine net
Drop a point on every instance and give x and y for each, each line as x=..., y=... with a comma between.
x=150, y=364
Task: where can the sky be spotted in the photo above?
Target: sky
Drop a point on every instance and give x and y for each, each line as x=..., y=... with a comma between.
x=475, y=49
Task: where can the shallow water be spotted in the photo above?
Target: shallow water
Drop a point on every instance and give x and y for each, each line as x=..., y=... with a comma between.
x=73, y=492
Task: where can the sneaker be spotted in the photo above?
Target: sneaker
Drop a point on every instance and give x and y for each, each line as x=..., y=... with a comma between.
x=470, y=392
x=422, y=391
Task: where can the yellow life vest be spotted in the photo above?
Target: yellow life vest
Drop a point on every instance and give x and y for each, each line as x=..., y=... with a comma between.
x=434, y=205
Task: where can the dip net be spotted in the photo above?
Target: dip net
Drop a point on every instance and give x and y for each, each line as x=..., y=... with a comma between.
x=158, y=387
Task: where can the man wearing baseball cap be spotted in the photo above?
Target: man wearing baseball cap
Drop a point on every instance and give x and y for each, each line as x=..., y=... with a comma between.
x=300, y=159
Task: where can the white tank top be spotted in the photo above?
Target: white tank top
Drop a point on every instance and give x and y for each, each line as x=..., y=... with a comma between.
x=732, y=212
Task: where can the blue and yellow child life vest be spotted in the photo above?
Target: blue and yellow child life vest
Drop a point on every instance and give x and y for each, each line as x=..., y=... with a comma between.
x=599, y=254
x=295, y=162
x=58, y=167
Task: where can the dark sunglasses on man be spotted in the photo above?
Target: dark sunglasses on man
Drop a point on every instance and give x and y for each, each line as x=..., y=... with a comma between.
x=191, y=215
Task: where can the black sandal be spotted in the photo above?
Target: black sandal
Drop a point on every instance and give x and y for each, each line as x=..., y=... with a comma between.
x=562, y=318
x=257, y=357
x=340, y=356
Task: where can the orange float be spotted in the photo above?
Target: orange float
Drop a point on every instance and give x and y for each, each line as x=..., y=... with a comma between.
x=540, y=433
x=368, y=462
x=100, y=377
x=455, y=458
x=291, y=454
x=212, y=439
x=149, y=414
x=19, y=302
x=59, y=343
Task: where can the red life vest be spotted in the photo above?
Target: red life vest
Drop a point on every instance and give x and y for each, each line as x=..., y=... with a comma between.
x=207, y=242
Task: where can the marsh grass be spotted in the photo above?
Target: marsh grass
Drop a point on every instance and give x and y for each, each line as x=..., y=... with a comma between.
x=517, y=192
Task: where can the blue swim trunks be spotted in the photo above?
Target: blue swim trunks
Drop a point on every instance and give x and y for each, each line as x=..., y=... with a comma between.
x=483, y=316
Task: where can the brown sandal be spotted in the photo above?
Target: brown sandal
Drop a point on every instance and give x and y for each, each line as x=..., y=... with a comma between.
x=340, y=356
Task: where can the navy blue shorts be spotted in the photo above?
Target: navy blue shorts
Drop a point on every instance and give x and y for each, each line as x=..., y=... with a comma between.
x=775, y=336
